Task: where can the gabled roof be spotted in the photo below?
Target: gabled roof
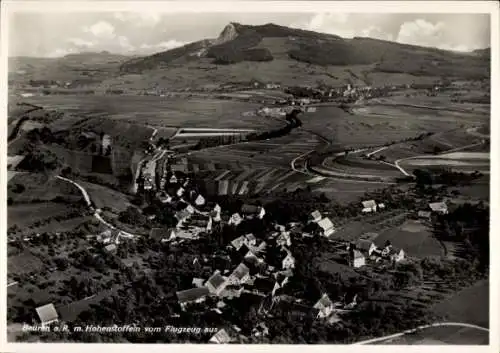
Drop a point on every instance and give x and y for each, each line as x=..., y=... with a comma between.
x=363, y=244
x=238, y=242
x=369, y=204
x=323, y=302
x=316, y=215
x=192, y=294
x=47, y=313
x=325, y=223
x=250, y=237
x=216, y=280
x=241, y=271
x=221, y=337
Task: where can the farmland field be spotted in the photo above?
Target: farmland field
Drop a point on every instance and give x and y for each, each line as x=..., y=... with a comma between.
x=414, y=238
x=160, y=111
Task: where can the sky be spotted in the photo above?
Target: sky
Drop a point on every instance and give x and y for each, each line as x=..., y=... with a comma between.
x=146, y=32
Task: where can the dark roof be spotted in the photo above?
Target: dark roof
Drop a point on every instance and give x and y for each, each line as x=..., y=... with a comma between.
x=264, y=284
x=216, y=280
x=249, y=208
x=363, y=244
x=192, y=294
x=160, y=233
x=240, y=271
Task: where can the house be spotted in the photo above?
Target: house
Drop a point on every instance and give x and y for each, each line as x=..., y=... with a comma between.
x=193, y=295
x=439, y=207
x=396, y=255
x=47, y=314
x=284, y=239
x=200, y=200
x=356, y=259
x=381, y=206
x=198, y=282
x=366, y=246
x=232, y=291
x=316, y=216
x=104, y=237
x=253, y=259
x=221, y=337
x=173, y=179
x=216, y=283
x=325, y=306
x=110, y=248
x=424, y=215
x=327, y=226
x=250, y=240
x=190, y=209
x=216, y=213
x=235, y=219
x=288, y=262
x=180, y=191
x=238, y=242
x=369, y=206
x=240, y=275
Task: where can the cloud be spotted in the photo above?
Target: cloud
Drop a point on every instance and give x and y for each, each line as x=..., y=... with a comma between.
x=421, y=32
x=171, y=44
x=147, y=18
x=377, y=33
x=101, y=29
x=81, y=43
x=60, y=52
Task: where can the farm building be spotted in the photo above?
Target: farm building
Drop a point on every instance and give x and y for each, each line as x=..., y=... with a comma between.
x=424, y=215
x=356, y=259
x=47, y=314
x=327, y=226
x=216, y=283
x=240, y=275
x=439, y=207
x=366, y=246
x=325, y=306
x=369, y=206
x=193, y=295
x=316, y=216
x=221, y=337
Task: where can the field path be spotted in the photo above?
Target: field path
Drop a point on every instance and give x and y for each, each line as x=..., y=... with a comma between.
x=97, y=212
x=438, y=324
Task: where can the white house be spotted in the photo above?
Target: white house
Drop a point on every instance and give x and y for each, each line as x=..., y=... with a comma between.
x=357, y=259
x=180, y=191
x=262, y=212
x=250, y=240
x=47, y=314
x=396, y=255
x=173, y=179
x=240, y=275
x=190, y=209
x=369, y=206
x=316, y=216
x=439, y=207
x=366, y=246
x=238, y=242
x=327, y=226
x=284, y=239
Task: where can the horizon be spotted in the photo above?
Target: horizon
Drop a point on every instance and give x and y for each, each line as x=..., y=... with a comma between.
x=142, y=34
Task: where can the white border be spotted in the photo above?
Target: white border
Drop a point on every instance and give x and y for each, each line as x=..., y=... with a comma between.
x=256, y=7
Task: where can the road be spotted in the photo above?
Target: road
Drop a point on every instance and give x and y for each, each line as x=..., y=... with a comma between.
x=438, y=324
x=97, y=212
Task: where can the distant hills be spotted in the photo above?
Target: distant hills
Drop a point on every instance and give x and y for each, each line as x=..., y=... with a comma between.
x=276, y=53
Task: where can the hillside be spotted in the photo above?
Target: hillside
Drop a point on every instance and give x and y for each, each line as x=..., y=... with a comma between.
x=264, y=44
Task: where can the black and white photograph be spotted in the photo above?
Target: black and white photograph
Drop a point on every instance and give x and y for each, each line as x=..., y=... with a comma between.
x=254, y=175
